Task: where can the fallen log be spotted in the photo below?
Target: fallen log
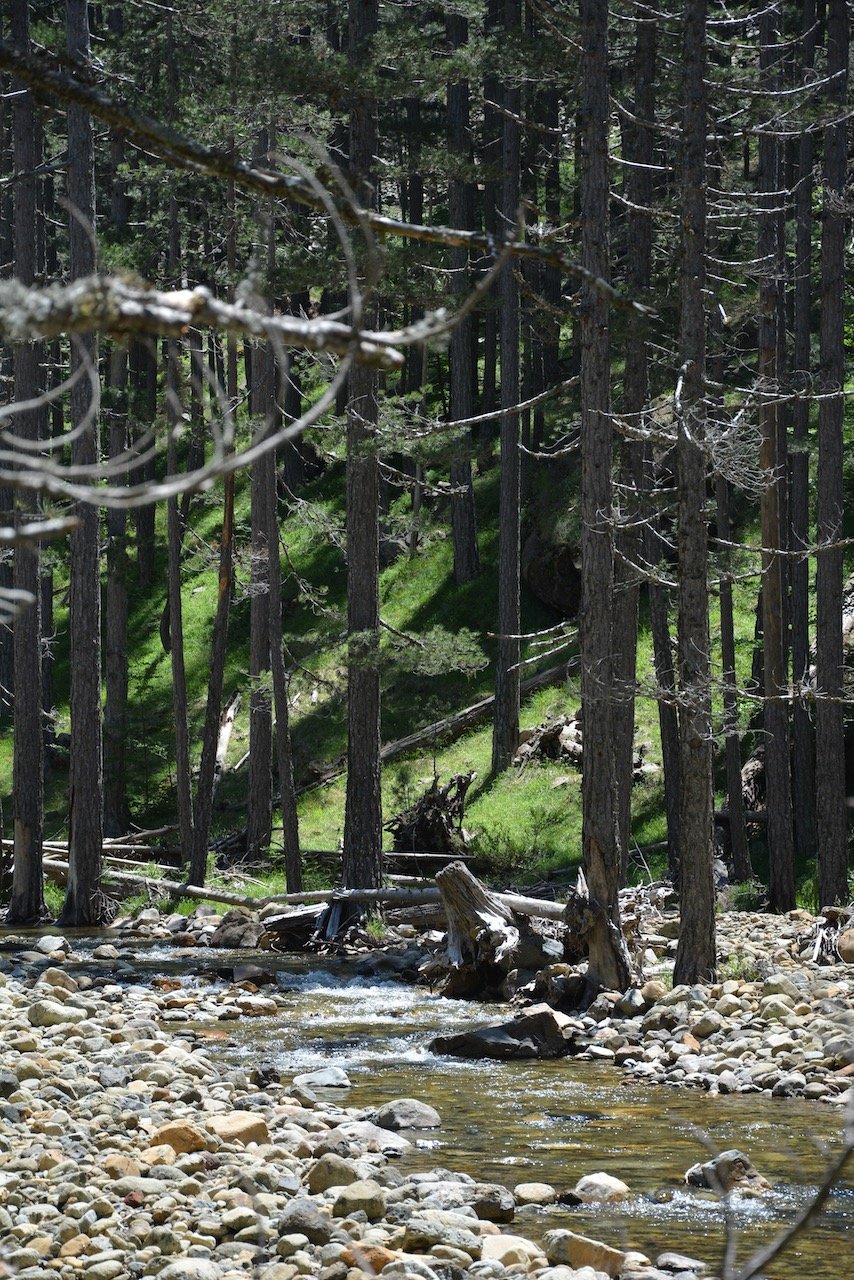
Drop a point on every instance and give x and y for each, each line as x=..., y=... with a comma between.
x=388, y=896
x=449, y=728
x=462, y=720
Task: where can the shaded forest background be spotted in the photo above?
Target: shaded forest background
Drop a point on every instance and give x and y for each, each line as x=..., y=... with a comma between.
x=638, y=425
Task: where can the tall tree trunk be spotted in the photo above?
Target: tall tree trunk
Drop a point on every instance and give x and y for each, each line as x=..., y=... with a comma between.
x=505, y=729
x=116, y=812
x=732, y=743
x=363, y=811
x=609, y=964
x=176, y=517
x=829, y=730
x=260, y=798
x=639, y=190
x=462, y=372
x=83, y=901
x=27, y=901
x=207, y=780
x=143, y=358
x=803, y=732
x=695, y=955
x=284, y=754
x=781, y=855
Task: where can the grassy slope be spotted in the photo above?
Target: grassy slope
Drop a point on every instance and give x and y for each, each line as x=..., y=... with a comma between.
x=526, y=824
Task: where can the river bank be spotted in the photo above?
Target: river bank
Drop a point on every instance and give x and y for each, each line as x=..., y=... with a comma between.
x=129, y=1147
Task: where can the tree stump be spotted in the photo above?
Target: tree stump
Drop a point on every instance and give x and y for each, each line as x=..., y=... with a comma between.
x=483, y=934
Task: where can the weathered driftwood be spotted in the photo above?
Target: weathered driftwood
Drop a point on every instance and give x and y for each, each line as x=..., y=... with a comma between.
x=481, y=929
x=488, y=934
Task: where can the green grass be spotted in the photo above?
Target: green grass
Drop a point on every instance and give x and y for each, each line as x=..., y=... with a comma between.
x=524, y=824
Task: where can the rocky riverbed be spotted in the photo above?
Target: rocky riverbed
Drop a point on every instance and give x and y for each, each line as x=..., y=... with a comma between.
x=128, y=1149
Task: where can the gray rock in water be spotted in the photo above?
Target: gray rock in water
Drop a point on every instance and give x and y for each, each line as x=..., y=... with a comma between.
x=323, y=1078
x=540, y=1032
x=726, y=1172
x=407, y=1113
x=671, y=1261
x=494, y=1203
x=52, y=942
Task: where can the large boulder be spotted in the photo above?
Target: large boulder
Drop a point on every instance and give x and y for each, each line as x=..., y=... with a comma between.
x=183, y=1137
x=238, y=928
x=239, y=1126
x=730, y=1171
x=599, y=1188
x=365, y=1196
x=407, y=1113
x=845, y=946
x=540, y=1032
x=580, y=1251
x=49, y=1013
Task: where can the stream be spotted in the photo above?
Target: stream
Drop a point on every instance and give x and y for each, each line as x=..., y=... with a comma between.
x=536, y=1121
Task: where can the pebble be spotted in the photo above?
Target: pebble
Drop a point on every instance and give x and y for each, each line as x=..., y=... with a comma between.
x=777, y=1030
x=127, y=1150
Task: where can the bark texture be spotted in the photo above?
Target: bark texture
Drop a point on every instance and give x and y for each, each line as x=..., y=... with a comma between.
x=83, y=900
x=27, y=901
x=609, y=964
x=363, y=808
x=695, y=955
x=505, y=729
x=830, y=740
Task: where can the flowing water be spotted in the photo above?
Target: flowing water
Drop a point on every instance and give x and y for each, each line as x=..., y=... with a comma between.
x=554, y=1121
x=547, y=1121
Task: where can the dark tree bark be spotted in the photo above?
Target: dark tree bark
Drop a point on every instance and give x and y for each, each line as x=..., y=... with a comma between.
x=284, y=754
x=176, y=517
x=732, y=742
x=609, y=964
x=143, y=360
x=665, y=678
x=781, y=855
x=116, y=812
x=803, y=733
x=175, y=527
x=505, y=729
x=260, y=798
x=208, y=776
x=829, y=729
x=639, y=190
x=83, y=900
x=363, y=812
x=462, y=371
x=695, y=955
x=26, y=905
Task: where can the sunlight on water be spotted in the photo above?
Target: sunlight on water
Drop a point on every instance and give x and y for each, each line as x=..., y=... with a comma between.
x=539, y=1121
x=555, y=1121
